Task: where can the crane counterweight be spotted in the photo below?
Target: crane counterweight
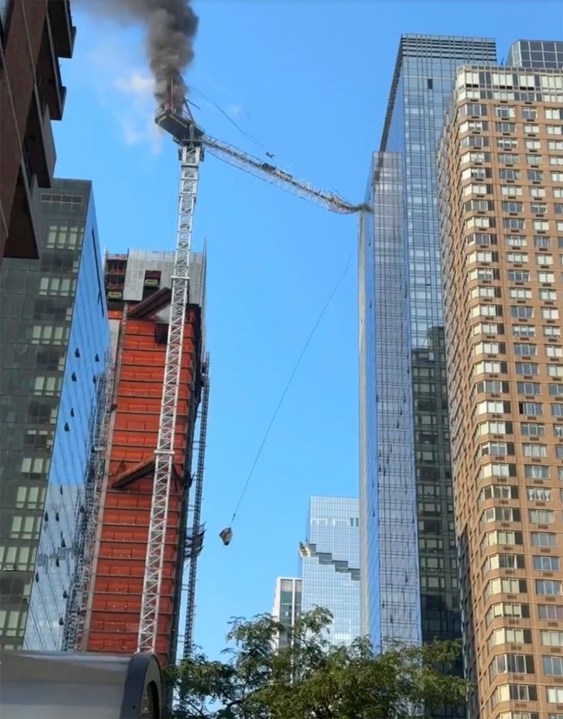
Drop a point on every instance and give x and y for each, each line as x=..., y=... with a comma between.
x=182, y=127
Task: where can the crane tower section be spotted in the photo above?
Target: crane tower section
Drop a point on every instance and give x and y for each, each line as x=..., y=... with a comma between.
x=188, y=136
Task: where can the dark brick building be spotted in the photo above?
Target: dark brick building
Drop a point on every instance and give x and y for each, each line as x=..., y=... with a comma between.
x=34, y=35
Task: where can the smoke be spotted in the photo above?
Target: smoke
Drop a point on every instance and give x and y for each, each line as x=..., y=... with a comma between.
x=171, y=27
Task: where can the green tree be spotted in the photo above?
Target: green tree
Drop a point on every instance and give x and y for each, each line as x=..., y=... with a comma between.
x=311, y=679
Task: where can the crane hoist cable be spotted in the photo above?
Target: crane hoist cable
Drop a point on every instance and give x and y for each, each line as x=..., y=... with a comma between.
x=226, y=534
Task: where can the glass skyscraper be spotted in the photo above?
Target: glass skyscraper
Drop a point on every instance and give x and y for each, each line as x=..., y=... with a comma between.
x=54, y=330
x=408, y=549
x=330, y=564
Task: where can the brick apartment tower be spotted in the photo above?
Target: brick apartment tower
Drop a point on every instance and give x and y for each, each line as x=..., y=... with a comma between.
x=33, y=36
x=501, y=199
x=138, y=293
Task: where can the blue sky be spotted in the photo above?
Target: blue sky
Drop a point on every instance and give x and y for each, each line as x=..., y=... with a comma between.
x=310, y=81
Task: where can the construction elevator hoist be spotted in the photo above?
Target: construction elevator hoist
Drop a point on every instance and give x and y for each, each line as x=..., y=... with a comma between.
x=192, y=143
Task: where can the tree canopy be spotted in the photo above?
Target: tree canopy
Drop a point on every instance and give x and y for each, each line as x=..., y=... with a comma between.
x=309, y=678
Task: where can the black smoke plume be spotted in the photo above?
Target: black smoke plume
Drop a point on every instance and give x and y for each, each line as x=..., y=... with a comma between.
x=171, y=27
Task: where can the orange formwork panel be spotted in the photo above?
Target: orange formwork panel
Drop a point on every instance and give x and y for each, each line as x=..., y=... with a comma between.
x=113, y=620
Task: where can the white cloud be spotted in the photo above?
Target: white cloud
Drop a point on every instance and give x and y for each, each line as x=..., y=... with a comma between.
x=125, y=88
x=236, y=111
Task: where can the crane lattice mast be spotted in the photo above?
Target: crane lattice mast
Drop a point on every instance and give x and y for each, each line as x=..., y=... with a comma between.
x=190, y=152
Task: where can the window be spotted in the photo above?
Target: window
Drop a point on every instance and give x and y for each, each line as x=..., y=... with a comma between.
x=557, y=410
x=541, y=226
x=554, y=129
x=538, y=494
x=548, y=295
x=523, y=330
x=531, y=408
x=534, y=160
x=518, y=275
x=507, y=158
x=546, y=564
x=519, y=293
x=511, y=663
x=489, y=366
x=498, y=449
x=503, y=561
x=554, y=370
x=543, y=260
x=555, y=145
x=507, y=609
x=490, y=407
x=475, y=189
x=495, y=469
x=528, y=368
x=556, y=161
x=514, y=692
x=509, y=636
x=504, y=538
x=512, y=206
x=505, y=111
x=488, y=328
x=554, y=351
x=534, y=450
x=507, y=143
x=548, y=587
x=553, y=666
x=545, y=277
x=536, y=471
x=506, y=585
x=525, y=350
x=498, y=491
x=537, y=192
x=550, y=611
x=500, y=514
x=521, y=312
x=489, y=348
x=519, y=257
x=534, y=175
x=532, y=144
x=489, y=292
x=541, y=242
x=552, y=332
x=532, y=429
x=557, y=176
x=551, y=638
x=549, y=313
x=529, y=388
x=477, y=205
x=543, y=539
x=555, y=695
x=515, y=241
x=507, y=173
x=541, y=516
x=482, y=256
x=553, y=113
x=555, y=390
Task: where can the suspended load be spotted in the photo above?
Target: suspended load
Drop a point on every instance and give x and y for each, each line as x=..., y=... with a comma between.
x=226, y=535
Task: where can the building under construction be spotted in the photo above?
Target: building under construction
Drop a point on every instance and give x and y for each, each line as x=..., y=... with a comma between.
x=138, y=292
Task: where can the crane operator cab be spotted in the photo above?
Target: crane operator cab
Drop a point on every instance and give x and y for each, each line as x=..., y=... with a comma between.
x=226, y=536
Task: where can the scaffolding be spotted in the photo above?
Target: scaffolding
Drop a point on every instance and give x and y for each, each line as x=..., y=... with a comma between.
x=88, y=513
x=194, y=539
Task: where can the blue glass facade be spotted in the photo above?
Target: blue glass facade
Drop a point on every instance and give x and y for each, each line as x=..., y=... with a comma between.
x=53, y=312
x=409, y=571
x=330, y=564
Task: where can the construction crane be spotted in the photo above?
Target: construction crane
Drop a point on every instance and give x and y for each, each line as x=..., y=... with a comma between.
x=192, y=142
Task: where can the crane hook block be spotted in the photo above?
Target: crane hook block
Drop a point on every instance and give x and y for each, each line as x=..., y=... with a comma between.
x=226, y=536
